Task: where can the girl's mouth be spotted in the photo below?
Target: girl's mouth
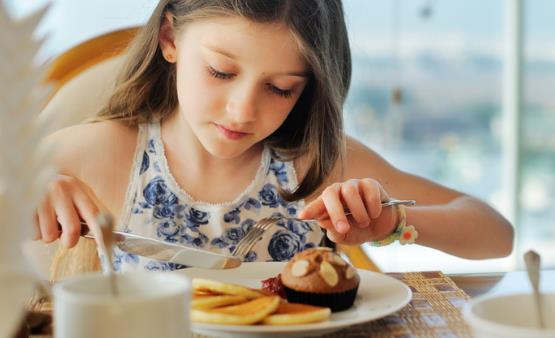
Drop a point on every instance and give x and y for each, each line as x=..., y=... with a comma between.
x=231, y=134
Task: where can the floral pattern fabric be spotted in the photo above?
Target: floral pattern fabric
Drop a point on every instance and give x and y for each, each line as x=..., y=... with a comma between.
x=157, y=207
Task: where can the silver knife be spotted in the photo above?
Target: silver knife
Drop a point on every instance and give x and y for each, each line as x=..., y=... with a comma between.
x=170, y=252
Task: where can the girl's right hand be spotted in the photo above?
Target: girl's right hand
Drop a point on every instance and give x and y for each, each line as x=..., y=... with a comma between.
x=66, y=203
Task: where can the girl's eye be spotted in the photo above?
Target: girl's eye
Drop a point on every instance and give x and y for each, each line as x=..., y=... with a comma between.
x=226, y=76
x=281, y=92
x=219, y=75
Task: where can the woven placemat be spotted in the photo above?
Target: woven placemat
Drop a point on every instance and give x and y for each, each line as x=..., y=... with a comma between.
x=434, y=311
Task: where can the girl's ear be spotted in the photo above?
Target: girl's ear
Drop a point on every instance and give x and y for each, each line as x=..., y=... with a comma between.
x=167, y=39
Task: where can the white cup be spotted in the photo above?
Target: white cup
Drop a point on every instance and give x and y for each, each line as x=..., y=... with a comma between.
x=149, y=304
x=510, y=316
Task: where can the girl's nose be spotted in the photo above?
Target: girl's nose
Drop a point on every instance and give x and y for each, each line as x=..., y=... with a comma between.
x=241, y=104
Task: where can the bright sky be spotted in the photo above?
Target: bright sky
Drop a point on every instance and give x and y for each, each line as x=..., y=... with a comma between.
x=455, y=27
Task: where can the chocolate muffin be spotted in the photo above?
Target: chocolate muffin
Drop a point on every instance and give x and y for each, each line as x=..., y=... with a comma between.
x=320, y=277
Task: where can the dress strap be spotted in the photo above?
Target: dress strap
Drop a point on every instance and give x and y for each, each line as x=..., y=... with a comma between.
x=138, y=164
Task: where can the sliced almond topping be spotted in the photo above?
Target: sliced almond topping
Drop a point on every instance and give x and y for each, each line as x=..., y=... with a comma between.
x=300, y=268
x=337, y=260
x=350, y=272
x=328, y=274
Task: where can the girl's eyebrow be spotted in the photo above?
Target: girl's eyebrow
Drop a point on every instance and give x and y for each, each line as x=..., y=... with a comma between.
x=221, y=51
x=227, y=54
x=297, y=74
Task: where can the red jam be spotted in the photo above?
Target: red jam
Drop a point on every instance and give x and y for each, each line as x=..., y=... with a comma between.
x=274, y=286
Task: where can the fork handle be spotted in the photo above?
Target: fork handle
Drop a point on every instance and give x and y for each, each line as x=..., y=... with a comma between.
x=385, y=204
x=398, y=202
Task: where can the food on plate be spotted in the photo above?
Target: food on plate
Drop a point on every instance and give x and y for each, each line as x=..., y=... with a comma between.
x=247, y=313
x=201, y=285
x=273, y=286
x=320, y=277
x=294, y=313
x=210, y=301
x=216, y=302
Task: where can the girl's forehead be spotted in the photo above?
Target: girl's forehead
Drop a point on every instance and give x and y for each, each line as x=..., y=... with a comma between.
x=244, y=40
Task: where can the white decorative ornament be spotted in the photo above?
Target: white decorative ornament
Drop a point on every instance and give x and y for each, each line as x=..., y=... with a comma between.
x=24, y=169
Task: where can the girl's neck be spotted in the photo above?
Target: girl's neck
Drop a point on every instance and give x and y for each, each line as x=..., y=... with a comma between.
x=177, y=134
x=204, y=176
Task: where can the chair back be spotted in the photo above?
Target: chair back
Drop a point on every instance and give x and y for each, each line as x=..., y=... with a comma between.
x=83, y=77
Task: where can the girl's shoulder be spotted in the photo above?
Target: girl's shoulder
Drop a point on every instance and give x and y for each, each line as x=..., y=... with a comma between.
x=92, y=145
x=108, y=127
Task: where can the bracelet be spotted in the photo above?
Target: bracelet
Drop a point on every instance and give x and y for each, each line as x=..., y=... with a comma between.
x=406, y=234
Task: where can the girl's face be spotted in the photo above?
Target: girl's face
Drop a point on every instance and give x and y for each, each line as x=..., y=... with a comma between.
x=236, y=80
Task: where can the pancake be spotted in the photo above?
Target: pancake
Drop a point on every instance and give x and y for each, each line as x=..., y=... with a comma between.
x=209, y=301
x=247, y=313
x=295, y=313
x=201, y=285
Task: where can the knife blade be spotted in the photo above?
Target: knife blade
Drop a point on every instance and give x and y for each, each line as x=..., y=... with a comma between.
x=172, y=252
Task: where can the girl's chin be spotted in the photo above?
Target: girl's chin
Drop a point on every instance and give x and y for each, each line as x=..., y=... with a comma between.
x=226, y=152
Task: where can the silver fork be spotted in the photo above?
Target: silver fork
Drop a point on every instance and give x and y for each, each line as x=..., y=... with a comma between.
x=255, y=233
x=253, y=236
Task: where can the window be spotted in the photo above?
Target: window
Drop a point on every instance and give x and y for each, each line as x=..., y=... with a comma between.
x=537, y=223
x=446, y=58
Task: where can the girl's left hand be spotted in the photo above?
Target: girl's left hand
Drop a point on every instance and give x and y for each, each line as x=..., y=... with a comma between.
x=363, y=199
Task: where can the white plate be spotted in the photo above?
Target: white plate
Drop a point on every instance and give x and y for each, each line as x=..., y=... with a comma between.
x=378, y=296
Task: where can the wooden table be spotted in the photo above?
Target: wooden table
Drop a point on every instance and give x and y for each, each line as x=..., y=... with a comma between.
x=477, y=284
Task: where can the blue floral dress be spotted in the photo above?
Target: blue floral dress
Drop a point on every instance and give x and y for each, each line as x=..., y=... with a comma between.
x=155, y=206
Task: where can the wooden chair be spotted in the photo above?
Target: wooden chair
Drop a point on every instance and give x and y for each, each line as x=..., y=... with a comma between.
x=82, y=79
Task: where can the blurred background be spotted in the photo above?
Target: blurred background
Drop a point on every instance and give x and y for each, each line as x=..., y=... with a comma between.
x=437, y=90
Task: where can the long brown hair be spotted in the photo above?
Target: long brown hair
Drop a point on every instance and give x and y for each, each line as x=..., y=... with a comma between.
x=146, y=88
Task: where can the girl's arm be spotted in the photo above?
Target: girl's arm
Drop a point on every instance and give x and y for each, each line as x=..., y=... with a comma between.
x=444, y=218
x=93, y=162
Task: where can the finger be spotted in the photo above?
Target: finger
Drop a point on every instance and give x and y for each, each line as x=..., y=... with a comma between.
x=326, y=224
x=88, y=209
x=372, y=197
x=334, y=207
x=355, y=236
x=86, y=204
x=37, y=235
x=335, y=236
x=352, y=197
x=383, y=193
x=47, y=222
x=315, y=209
x=68, y=218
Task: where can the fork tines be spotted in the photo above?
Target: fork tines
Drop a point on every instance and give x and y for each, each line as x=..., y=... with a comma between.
x=253, y=236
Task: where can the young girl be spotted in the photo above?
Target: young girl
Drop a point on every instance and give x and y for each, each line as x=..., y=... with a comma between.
x=228, y=111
